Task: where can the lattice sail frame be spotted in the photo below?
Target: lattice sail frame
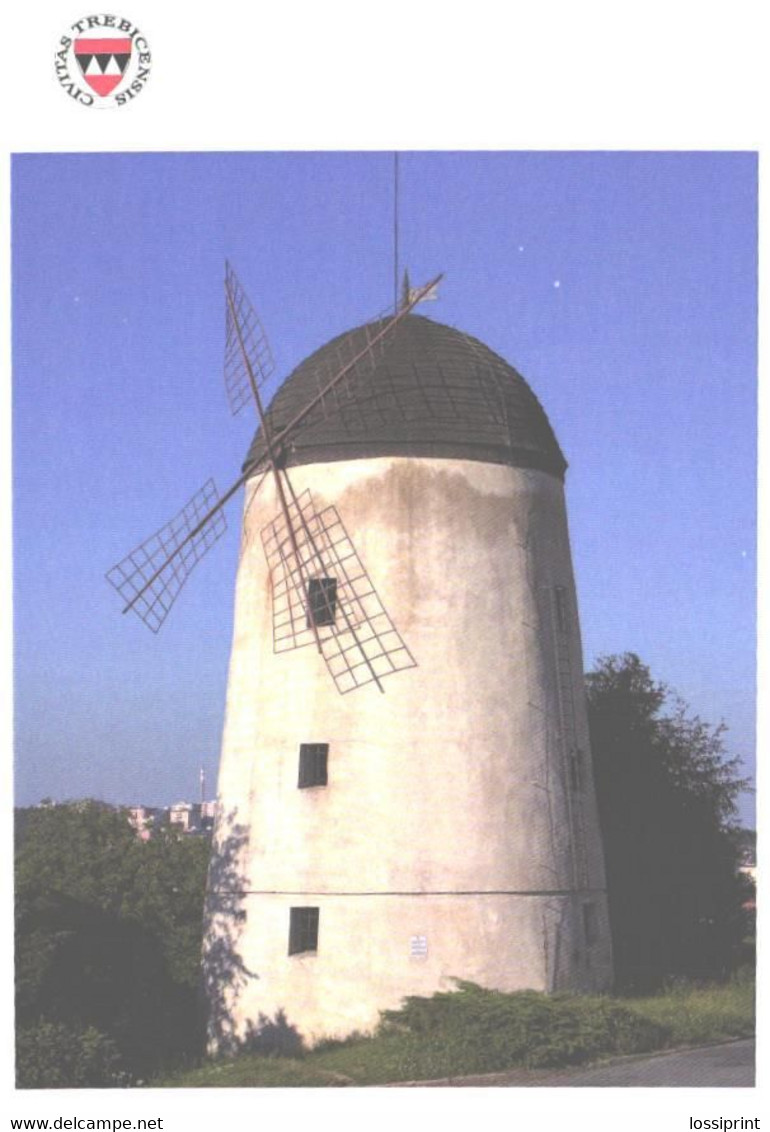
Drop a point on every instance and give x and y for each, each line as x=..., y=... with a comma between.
x=342, y=397
x=130, y=576
x=243, y=333
x=150, y=578
x=444, y=390
x=362, y=646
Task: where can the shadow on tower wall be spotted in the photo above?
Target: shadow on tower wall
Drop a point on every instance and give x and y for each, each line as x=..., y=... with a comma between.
x=226, y=975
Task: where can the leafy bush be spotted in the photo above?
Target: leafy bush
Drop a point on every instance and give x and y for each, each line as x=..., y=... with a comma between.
x=479, y=1031
x=484, y=1030
x=51, y=1055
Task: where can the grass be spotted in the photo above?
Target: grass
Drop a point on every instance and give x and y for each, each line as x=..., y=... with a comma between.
x=696, y=1016
x=472, y=1030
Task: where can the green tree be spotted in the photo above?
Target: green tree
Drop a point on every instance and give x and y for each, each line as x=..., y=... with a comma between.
x=108, y=935
x=170, y=898
x=667, y=792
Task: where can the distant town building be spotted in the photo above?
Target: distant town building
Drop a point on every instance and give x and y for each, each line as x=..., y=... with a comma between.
x=183, y=817
x=186, y=816
x=144, y=819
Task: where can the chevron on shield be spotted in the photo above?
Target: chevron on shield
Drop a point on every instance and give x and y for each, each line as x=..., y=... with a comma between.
x=102, y=62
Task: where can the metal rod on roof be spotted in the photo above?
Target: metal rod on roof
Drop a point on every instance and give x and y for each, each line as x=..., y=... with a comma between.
x=395, y=231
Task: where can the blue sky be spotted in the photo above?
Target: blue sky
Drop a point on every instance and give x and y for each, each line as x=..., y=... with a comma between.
x=623, y=286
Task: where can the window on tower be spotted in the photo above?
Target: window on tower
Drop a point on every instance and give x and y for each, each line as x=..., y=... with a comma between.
x=321, y=601
x=312, y=764
x=303, y=930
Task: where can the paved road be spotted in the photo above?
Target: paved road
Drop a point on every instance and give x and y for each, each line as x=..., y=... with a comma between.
x=730, y=1065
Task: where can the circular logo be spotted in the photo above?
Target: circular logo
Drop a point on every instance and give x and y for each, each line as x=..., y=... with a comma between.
x=103, y=61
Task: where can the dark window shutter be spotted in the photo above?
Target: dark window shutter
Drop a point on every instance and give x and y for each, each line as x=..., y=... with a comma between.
x=313, y=764
x=321, y=601
x=303, y=930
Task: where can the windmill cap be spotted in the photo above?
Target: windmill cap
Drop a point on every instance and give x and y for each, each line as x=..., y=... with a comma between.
x=427, y=390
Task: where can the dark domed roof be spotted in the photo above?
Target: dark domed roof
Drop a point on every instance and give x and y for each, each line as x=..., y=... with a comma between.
x=432, y=391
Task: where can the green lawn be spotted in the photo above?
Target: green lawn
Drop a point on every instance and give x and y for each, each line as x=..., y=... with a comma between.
x=698, y=1016
x=479, y=1031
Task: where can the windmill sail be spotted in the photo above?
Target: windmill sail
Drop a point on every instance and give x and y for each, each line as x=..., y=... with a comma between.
x=246, y=345
x=245, y=528
x=354, y=357
x=150, y=578
x=324, y=586
x=337, y=377
x=308, y=550
x=321, y=591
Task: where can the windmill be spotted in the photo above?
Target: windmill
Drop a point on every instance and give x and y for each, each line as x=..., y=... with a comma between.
x=373, y=846
x=322, y=592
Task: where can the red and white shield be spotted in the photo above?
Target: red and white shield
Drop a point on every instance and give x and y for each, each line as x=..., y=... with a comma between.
x=103, y=62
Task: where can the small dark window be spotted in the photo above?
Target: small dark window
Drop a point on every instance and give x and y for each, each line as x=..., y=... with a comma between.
x=321, y=601
x=590, y=924
x=312, y=764
x=560, y=597
x=303, y=930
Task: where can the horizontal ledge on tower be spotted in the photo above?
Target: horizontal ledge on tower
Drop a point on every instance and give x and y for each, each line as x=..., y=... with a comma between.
x=437, y=892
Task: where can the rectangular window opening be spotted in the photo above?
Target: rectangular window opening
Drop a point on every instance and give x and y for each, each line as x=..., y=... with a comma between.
x=313, y=759
x=321, y=601
x=590, y=924
x=303, y=930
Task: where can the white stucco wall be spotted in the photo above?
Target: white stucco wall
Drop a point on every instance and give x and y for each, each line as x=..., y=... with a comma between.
x=450, y=812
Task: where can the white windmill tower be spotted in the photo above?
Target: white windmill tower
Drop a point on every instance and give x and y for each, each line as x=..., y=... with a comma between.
x=369, y=845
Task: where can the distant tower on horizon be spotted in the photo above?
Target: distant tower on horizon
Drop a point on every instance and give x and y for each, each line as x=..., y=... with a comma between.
x=203, y=785
x=371, y=846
